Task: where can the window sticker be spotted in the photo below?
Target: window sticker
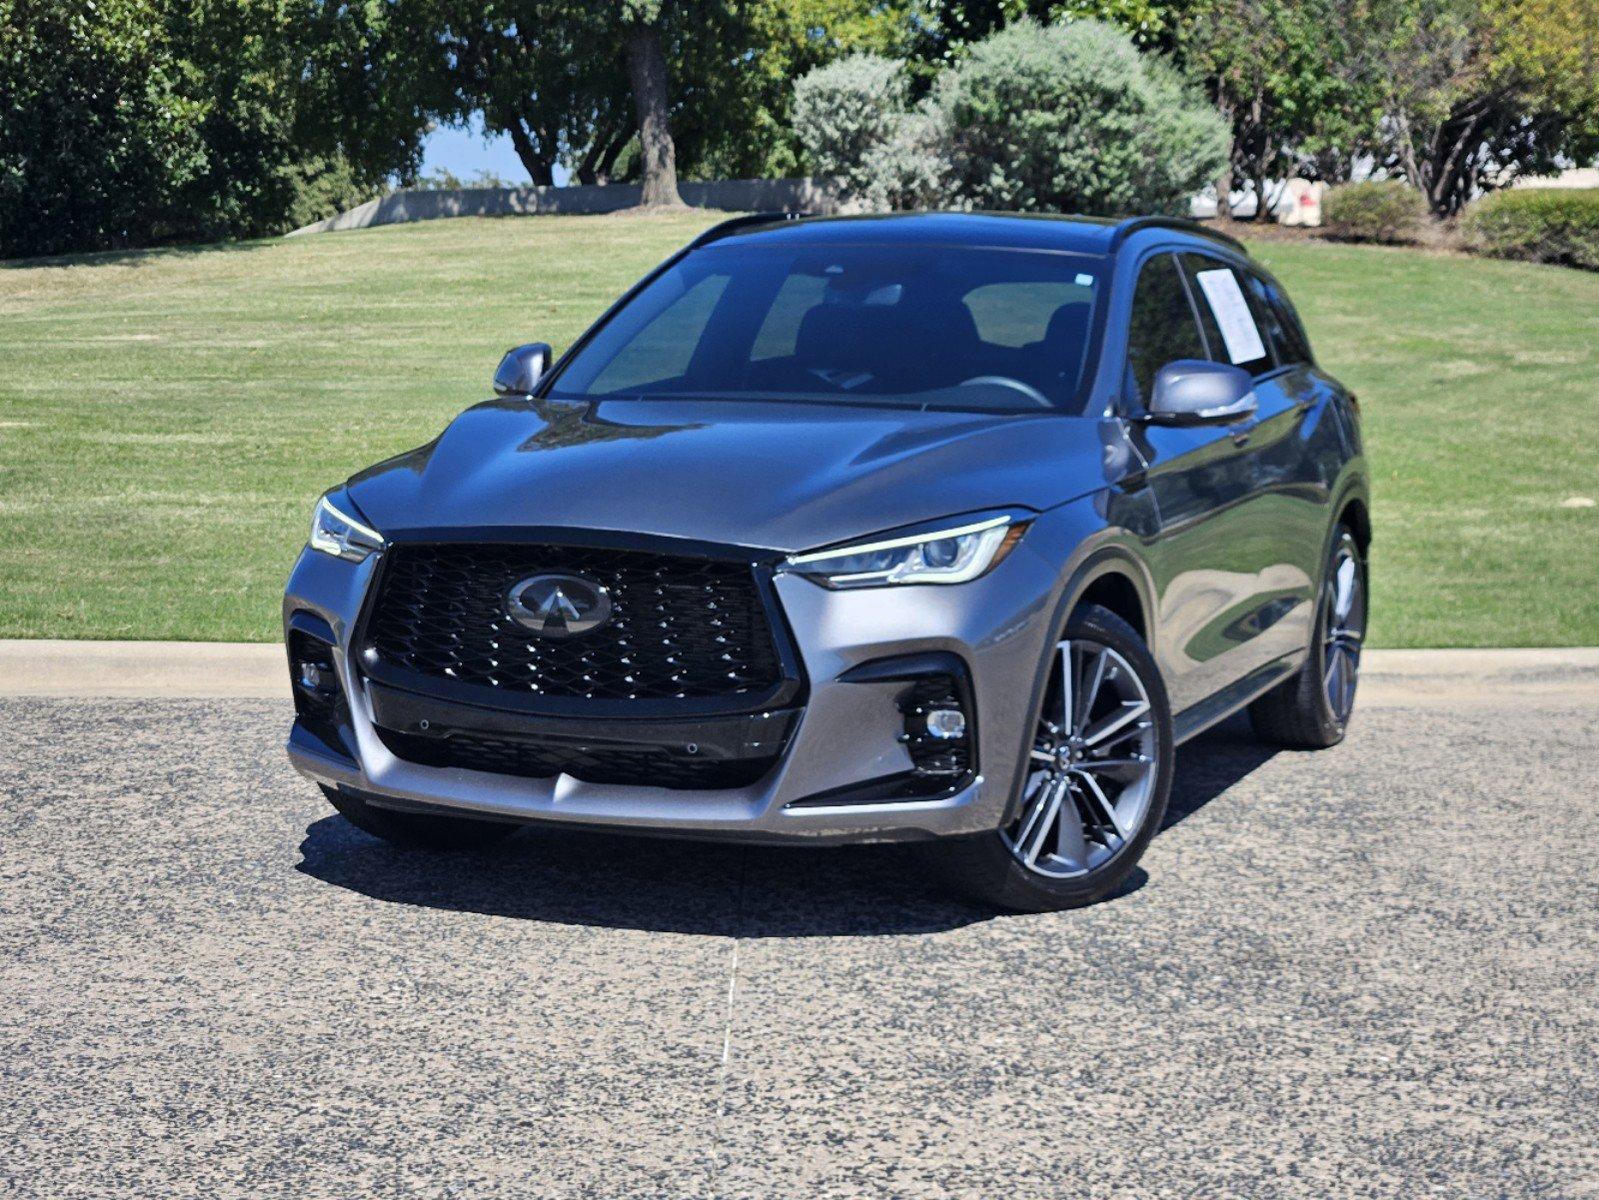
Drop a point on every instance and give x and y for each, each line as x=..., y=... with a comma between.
x=1226, y=300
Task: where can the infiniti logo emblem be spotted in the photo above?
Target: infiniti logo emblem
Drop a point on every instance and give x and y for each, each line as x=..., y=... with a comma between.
x=558, y=606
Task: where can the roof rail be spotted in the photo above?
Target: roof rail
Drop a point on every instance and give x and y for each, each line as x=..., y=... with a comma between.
x=735, y=224
x=1133, y=224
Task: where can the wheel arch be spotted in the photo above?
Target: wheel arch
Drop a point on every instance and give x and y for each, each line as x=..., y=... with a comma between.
x=1357, y=516
x=1119, y=582
x=1111, y=573
x=1114, y=589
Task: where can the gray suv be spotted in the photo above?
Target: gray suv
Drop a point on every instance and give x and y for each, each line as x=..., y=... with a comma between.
x=943, y=528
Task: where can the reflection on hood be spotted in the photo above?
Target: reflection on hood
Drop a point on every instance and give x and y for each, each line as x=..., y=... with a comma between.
x=777, y=476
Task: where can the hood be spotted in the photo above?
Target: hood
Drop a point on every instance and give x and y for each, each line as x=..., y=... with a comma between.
x=783, y=477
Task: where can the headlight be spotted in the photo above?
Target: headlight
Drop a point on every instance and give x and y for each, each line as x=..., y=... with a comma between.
x=340, y=535
x=951, y=555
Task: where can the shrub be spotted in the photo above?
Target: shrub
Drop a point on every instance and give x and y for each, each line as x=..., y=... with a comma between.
x=324, y=187
x=851, y=118
x=846, y=111
x=1072, y=118
x=1387, y=211
x=1553, y=225
x=910, y=169
x=95, y=141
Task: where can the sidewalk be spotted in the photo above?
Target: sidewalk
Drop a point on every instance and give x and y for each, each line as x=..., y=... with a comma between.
x=202, y=670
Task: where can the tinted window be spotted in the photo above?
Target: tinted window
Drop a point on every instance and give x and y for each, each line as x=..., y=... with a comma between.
x=665, y=342
x=1231, y=317
x=1193, y=264
x=1017, y=313
x=923, y=326
x=1162, y=328
x=1278, y=319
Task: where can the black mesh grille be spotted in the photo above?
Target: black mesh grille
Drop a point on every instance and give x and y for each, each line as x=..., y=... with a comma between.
x=680, y=626
x=649, y=766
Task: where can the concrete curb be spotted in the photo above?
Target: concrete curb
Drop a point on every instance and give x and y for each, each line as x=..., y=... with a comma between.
x=151, y=670
x=242, y=670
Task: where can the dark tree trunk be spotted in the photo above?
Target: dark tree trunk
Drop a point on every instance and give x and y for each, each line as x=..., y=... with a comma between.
x=1224, y=181
x=646, y=70
x=597, y=161
x=1451, y=167
x=607, y=164
x=1249, y=151
x=1263, y=176
x=540, y=166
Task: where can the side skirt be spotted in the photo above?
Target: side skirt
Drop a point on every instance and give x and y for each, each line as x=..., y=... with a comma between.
x=1212, y=710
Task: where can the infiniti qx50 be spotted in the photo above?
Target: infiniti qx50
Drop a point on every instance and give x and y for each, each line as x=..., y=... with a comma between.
x=943, y=528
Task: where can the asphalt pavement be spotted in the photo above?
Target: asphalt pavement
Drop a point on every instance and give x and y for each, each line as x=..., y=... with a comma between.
x=1371, y=971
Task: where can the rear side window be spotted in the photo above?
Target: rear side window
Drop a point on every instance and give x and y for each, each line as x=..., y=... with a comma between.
x=1162, y=329
x=1232, y=323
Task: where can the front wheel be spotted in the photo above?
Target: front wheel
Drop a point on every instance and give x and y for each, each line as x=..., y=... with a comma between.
x=1097, y=779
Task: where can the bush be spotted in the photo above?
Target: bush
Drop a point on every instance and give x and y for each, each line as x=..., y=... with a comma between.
x=1388, y=211
x=136, y=122
x=1072, y=118
x=1553, y=225
x=95, y=141
x=845, y=111
x=851, y=118
x=324, y=187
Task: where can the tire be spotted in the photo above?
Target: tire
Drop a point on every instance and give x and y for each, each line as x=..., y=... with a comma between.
x=417, y=831
x=1310, y=710
x=1117, y=809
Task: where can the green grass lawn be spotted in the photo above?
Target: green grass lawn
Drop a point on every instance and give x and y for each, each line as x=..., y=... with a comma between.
x=167, y=418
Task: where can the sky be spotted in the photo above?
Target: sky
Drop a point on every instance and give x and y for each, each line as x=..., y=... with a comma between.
x=465, y=152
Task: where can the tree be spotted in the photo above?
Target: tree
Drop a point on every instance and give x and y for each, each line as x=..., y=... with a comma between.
x=539, y=71
x=1270, y=69
x=595, y=85
x=646, y=70
x=135, y=122
x=1475, y=92
x=95, y=138
x=853, y=119
x=294, y=97
x=734, y=116
x=572, y=81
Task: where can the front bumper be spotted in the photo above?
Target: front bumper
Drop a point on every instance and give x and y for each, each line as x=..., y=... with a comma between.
x=846, y=738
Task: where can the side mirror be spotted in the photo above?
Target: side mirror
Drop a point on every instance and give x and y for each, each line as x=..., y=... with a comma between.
x=520, y=369
x=1194, y=392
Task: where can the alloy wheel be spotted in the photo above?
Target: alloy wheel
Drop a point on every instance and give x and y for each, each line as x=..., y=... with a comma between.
x=1344, y=628
x=1091, y=771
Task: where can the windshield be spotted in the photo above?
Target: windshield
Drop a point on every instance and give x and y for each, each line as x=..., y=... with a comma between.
x=918, y=326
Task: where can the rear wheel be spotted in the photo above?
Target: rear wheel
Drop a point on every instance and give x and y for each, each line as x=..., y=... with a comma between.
x=1097, y=778
x=419, y=831
x=1310, y=710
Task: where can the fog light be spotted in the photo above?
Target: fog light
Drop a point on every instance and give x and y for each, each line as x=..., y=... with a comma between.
x=311, y=677
x=938, y=730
